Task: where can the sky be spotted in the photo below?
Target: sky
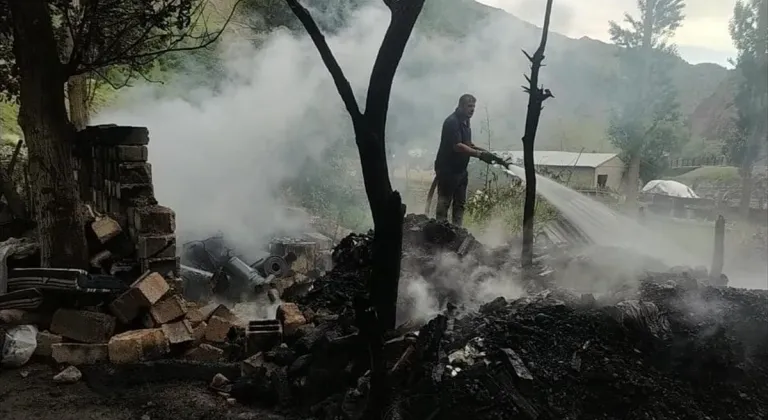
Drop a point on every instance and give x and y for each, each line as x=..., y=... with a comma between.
x=702, y=38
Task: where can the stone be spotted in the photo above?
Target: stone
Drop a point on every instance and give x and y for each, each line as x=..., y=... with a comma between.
x=221, y=383
x=154, y=219
x=178, y=332
x=169, y=309
x=217, y=329
x=291, y=317
x=205, y=353
x=84, y=326
x=129, y=153
x=202, y=314
x=198, y=332
x=77, y=354
x=69, y=375
x=138, y=345
x=254, y=365
x=156, y=246
x=106, y=228
x=134, y=173
x=45, y=342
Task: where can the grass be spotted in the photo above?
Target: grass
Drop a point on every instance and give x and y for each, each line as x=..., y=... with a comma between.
x=723, y=175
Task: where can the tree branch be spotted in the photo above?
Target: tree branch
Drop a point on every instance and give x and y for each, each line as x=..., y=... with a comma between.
x=342, y=84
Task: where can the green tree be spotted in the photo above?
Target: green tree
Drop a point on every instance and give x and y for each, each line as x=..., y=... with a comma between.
x=648, y=125
x=749, y=31
x=43, y=44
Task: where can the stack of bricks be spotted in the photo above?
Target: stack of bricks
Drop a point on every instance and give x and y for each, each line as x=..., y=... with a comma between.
x=116, y=179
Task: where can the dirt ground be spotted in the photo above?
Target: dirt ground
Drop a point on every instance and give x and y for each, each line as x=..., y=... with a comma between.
x=30, y=393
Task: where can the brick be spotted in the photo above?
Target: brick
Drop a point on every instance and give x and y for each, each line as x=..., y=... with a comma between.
x=291, y=317
x=198, y=332
x=144, y=292
x=111, y=134
x=168, y=310
x=45, y=342
x=217, y=329
x=138, y=345
x=205, y=353
x=106, y=228
x=154, y=219
x=135, y=193
x=134, y=173
x=156, y=246
x=77, y=354
x=87, y=327
x=168, y=267
x=178, y=332
x=202, y=314
x=130, y=153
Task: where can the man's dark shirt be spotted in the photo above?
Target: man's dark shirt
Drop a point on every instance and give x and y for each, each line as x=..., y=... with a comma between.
x=455, y=130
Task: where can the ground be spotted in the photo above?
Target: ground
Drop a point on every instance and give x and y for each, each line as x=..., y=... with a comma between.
x=30, y=393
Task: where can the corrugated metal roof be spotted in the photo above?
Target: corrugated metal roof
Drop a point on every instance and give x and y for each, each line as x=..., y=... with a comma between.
x=558, y=158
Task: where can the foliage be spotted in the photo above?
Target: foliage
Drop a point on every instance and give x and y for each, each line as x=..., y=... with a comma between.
x=503, y=200
x=649, y=122
x=751, y=100
x=115, y=40
x=330, y=187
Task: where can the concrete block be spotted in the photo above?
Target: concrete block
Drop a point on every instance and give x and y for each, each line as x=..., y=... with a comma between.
x=168, y=267
x=205, y=353
x=198, y=332
x=105, y=228
x=152, y=285
x=156, y=246
x=87, y=327
x=135, y=193
x=291, y=317
x=110, y=134
x=178, y=332
x=217, y=329
x=134, y=173
x=45, y=342
x=129, y=153
x=129, y=305
x=77, y=354
x=138, y=345
x=202, y=314
x=168, y=310
x=154, y=219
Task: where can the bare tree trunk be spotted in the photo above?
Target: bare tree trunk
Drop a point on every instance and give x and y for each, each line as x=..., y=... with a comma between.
x=536, y=98
x=49, y=136
x=387, y=208
x=77, y=95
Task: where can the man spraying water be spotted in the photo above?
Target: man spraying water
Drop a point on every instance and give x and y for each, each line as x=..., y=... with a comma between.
x=456, y=147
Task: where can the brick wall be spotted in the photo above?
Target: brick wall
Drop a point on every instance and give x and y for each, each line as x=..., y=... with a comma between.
x=115, y=177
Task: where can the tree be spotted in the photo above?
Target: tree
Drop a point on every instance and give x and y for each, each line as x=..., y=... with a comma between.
x=536, y=97
x=387, y=208
x=54, y=40
x=648, y=126
x=749, y=31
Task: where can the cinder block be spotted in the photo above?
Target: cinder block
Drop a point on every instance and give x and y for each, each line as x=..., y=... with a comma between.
x=45, y=342
x=138, y=345
x=156, y=246
x=144, y=292
x=129, y=153
x=134, y=173
x=152, y=285
x=168, y=310
x=77, y=354
x=168, y=267
x=178, y=332
x=87, y=327
x=155, y=219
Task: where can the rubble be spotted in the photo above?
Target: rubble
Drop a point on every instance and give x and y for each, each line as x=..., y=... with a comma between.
x=69, y=375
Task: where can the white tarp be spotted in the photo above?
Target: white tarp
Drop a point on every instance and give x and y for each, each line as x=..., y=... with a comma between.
x=669, y=188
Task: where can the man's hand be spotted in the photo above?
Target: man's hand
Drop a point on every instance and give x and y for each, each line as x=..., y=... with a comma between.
x=486, y=157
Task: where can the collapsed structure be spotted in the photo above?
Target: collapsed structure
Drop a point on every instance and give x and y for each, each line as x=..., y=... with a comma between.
x=664, y=347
